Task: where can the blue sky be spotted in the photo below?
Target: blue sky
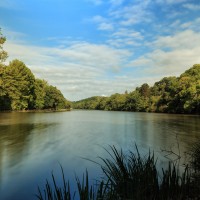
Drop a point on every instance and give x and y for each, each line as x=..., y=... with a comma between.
x=101, y=47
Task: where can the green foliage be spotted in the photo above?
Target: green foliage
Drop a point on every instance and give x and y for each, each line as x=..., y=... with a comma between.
x=115, y=102
x=19, y=85
x=48, y=97
x=54, y=98
x=169, y=95
x=3, y=54
x=92, y=103
x=4, y=99
x=39, y=91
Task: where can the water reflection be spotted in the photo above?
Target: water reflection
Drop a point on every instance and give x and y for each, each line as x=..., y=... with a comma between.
x=32, y=144
x=13, y=143
x=16, y=131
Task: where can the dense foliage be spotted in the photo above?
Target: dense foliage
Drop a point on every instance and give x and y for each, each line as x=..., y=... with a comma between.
x=169, y=95
x=19, y=90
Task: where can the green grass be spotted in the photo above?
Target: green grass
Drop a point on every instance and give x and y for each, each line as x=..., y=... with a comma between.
x=131, y=176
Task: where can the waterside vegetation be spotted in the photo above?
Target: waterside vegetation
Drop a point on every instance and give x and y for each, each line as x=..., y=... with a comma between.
x=169, y=95
x=131, y=176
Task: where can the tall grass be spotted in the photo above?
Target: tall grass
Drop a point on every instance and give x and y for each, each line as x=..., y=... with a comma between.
x=131, y=176
x=54, y=192
x=195, y=165
x=128, y=176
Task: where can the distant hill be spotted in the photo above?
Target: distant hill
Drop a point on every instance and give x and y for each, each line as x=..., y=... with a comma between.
x=169, y=95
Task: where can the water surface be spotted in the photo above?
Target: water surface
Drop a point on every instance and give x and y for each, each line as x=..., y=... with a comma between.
x=33, y=144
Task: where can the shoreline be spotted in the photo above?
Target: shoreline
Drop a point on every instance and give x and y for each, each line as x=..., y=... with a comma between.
x=36, y=111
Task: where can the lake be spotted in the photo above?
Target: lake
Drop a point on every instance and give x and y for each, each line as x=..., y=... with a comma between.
x=33, y=144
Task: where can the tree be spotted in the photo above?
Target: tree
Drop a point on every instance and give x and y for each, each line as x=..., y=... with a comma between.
x=144, y=90
x=39, y=94
x=115, y=102
x=3, y=54
x=19, y=85
x=170, y=95
x=54, y=99
x=166, y=90
x=189, y=90
x=5, y=101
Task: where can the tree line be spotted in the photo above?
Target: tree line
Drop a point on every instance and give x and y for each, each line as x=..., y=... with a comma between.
x=20, y=90
x=169, y=95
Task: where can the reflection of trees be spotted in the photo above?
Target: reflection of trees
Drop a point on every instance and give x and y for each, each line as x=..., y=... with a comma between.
x=13, y=144
x=15, y=138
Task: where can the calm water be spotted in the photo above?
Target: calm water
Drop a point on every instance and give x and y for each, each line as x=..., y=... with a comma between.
x=33, y=144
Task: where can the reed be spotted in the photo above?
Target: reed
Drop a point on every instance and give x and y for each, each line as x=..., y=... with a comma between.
x=54, y=192
x=195, y=156
x=128, y=176
x=195, y=165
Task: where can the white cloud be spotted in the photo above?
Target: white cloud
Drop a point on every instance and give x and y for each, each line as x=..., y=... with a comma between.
x=171, y=55
x=105, y=26
x=182, y=40
x=192, y=7
x=112, y=2
x=124, y=32
x=118, y=36
x=97, y=56
x=171, y=1
x=96, y=2
x=175, y=24
x=98, y=18
x=192, y=25
x=80, y=82
x=133, y=14
x=116, y=2
x=100, y=56
x=103, y=23
x=124, y=37
x=118, y=20
x=75, y=81
x=123, y=42
x=12, y=35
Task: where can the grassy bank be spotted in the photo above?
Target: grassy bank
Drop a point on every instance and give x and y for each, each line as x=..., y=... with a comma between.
x=132, y=176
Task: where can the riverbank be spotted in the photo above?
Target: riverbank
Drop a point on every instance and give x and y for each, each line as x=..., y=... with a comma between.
x=45, y=110
x=36, y=111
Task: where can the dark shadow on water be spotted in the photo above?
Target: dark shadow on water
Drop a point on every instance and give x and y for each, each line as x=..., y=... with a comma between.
x=15, y=142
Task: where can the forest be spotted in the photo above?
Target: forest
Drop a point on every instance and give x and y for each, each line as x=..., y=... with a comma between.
x=169, y=95
x=20, y=90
